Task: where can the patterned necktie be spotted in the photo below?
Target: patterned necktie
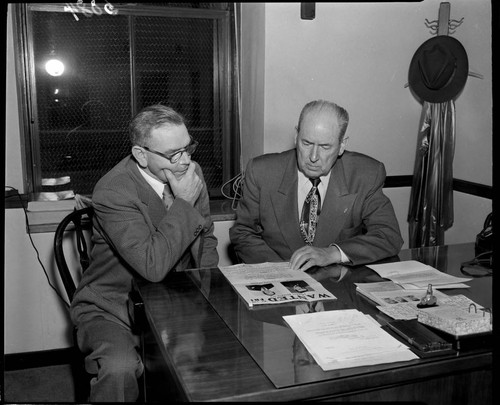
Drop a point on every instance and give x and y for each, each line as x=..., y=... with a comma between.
x=168, y=198
x=310, y=212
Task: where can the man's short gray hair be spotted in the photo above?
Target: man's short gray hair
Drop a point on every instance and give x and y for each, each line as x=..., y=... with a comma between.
x=329, y=106
x=150, y=118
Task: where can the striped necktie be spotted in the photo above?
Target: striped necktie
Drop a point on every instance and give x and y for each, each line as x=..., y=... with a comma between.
x=310, y=212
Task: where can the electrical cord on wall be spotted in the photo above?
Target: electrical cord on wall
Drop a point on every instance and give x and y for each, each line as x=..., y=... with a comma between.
x=236, y=189
x=34, y=247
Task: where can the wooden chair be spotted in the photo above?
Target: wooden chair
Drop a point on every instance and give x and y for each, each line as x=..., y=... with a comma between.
x=80, y=220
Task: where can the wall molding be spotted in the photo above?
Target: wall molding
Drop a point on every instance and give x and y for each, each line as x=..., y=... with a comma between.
x=44, y=358
x=476, y=189
x=462, y=186
x=398, y=181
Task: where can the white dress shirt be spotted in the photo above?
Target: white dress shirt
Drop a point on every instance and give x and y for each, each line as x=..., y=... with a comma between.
x=157, y=185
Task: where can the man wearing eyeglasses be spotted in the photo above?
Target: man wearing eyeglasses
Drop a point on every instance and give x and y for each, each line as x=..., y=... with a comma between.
x=152, y=217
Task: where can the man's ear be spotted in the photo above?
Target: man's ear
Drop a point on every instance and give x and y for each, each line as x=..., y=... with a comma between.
x=343, y=145
x=140, y=156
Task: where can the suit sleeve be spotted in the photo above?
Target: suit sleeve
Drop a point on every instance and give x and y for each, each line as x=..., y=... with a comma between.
x=209, y=255
x=246, y=233
x=379, y=236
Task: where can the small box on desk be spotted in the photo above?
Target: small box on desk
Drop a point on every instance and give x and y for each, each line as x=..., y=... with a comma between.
x=467, y=329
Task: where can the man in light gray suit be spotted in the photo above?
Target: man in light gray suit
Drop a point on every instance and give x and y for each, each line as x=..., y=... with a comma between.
x=354, y=223
x=151, y=217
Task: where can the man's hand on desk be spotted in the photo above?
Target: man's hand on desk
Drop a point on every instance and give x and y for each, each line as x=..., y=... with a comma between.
x=309, y=256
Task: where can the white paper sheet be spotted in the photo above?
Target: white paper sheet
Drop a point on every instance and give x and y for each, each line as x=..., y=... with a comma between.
x=346, y=338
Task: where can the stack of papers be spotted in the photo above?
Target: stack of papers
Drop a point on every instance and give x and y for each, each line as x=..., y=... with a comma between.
x=412, y=274
x=347, y=338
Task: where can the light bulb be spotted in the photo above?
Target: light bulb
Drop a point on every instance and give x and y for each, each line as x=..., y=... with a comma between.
x=54, y=67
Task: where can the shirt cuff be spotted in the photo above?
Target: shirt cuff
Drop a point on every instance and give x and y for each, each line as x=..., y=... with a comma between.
x=343, y=256
x=343, y=260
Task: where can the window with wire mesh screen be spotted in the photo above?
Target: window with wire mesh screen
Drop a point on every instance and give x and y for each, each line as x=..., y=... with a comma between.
x=114, y=65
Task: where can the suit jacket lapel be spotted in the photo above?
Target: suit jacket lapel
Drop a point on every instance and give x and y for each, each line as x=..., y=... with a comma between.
x=146, y=194
x=156, y=209
x=284, y=202
x=335, y=208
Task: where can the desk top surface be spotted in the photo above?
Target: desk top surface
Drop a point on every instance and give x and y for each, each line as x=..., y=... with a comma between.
x=220, y=349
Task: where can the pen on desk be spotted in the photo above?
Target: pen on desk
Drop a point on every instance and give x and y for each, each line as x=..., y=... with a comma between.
x=409, y=339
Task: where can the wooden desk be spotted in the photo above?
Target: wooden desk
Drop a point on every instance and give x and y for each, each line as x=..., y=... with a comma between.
x=205, y=345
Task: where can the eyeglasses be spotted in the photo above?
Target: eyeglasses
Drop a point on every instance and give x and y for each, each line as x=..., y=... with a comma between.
x=174, y=157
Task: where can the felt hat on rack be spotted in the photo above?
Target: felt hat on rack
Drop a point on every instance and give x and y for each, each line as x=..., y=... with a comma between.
x=439, y=69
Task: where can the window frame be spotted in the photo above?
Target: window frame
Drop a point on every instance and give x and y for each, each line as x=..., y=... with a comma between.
x=225, y=75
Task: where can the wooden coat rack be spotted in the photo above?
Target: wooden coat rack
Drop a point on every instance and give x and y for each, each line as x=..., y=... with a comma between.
x=445, y=26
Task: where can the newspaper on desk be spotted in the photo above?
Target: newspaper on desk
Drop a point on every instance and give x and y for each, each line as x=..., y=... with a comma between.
x=274, y=283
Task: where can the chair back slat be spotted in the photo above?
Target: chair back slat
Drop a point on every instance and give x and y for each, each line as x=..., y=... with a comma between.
x=75, y=221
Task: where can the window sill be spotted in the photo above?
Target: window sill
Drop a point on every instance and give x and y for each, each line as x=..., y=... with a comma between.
x=222, y=210
x=46, y=216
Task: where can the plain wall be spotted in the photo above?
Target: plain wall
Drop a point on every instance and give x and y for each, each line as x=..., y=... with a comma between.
x=355, y=54
x=358, y=55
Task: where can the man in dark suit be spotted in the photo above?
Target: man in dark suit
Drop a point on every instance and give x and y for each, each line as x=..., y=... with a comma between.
x=151, y=217
x=353, y=222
